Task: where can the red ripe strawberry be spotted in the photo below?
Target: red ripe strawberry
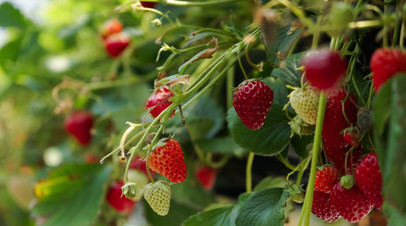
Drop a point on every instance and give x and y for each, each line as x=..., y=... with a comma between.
x=351, y=203
x=111, y=27
x=78, y=124
x=322, y=207
x=117, y=200
x=168, y=161
x=385, y=63
x=206, y=176
x=369, y=179
x=159, y=101
x=115, y=44
x=334, y=123
x=337, y=157
x=148, y=4
x=252, y=101
x=324, y=69
x=326, y=179
x=139, y=164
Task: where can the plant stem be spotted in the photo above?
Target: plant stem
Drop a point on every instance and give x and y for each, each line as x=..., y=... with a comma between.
x=302, y=169
x=230, y=85
x=248, y=172
x=286, y=163
x=187, y=3
x=315, y=152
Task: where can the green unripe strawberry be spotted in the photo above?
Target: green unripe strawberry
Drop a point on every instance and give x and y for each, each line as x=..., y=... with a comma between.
x=158, y=196
x=305, y=102
x=341, y=14
x=299, y=127
x=140, y=180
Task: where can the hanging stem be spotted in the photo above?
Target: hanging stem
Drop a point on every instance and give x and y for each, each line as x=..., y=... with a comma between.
x=315, y=152
x=248, y=172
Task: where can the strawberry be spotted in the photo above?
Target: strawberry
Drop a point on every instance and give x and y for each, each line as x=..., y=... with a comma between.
x=385, y=63
x=139, y=179
x=351, y=203
x=159, y=101
x=324, y=69
x=334, y=123
x=79, y=124
x=206, y=176
x=369, y=179
x=351, y=136
x=148, y=4
x=158, y=196
x=299, y=127
x=305, y=102
x=111, y=27
x=116, y=199
x=252, y=101
x=326, y=178
x=322, y=207
x=115, y=44
x=168, y=161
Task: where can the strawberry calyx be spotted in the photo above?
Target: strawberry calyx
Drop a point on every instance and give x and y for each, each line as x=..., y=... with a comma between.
x=347, y=181
x=351, y=135
x=300, y=127
x=296, y=193
x=130, y=190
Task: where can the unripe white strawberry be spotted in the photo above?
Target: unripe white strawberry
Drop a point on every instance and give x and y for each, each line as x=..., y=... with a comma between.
x=305, y=102
x=140, y=180
x=158, y=196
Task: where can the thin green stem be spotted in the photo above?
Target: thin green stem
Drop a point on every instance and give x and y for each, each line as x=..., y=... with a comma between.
x=187, y=3
x=150, y=149
x=385, y=27
x=242, y=67
x=286, y=163
x=402, y=31
x=316, y=34
x=248, y=172
x=371, y=92
x=315, y=152
x=365, y=24
x=230, y=86
x=302, y=169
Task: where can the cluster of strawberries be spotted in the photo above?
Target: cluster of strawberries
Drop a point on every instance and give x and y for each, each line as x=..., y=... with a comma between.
x=115, y=41
x=351, y=187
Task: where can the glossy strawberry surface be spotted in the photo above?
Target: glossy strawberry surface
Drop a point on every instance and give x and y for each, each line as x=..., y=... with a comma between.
x=159, y=101
x=118, y=201
x=322, y=207
x=326, y=179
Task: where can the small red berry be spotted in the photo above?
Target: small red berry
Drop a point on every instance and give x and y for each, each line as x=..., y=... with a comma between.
x=117, y=200
x=79, y=124
x=159, y=101
x=322, y=207
x=326, y=179
x=115, y=44
x=207, y=177
x=369, y=179
x=352, y=137
x=168, y=161
x=252, y=101
x=111, y=27
x=324, y=69
x=385, y=63
x=351, y=203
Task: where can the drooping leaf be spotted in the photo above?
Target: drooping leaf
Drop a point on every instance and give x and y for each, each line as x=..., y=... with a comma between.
x=73, y=195
x=264, y=207
x=287, y=72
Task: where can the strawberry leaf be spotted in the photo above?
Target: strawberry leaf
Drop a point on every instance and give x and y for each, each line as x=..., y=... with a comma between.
x=264, y=207
x=72, y=195
x=288, y=72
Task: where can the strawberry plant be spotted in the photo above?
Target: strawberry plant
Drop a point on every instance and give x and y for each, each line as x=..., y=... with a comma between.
x=203, y=112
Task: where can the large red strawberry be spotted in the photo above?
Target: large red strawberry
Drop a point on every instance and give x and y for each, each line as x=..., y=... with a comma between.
x=369, y=179
x=322, y=207
x=334, y=123
x=385, y=63
x=324, y=68
x=168, y=161
x=79, y=124
x=351, y=203
x=252, y=101
x=118, y=201
x=159, y=101
x=326, y=178
x=115, y=44
x=206, y=176
x=111, y=27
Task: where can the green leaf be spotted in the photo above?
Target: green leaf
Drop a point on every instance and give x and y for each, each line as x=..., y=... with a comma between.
x=299, y=145
x=381, y=107
x=10, y=16
x=270, y=182
x=80, y=207
x=177, y=214
x=284, y=41
x=395, y=217
x=393, y=168
x=274, y=136
x=264, y=207
x=219, y=216
x=288, y=72
x=221, y=145
x=10, y=51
